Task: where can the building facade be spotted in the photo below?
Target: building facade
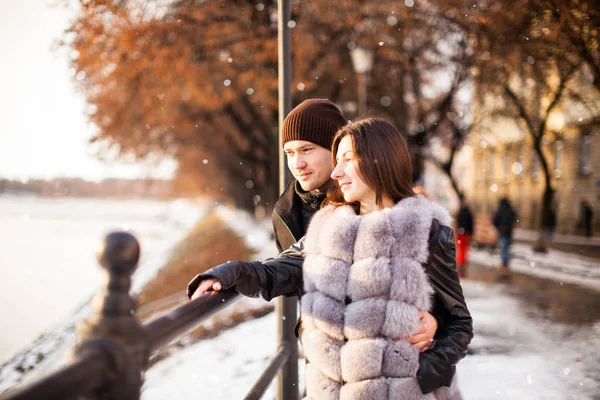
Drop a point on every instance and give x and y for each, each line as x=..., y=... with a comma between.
x=512, y=169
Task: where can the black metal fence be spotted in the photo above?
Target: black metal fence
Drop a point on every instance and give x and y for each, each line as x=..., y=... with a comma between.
x=114, y=348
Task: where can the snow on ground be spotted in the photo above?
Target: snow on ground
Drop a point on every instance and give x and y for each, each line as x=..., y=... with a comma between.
x=556, y=265
x=518, y=357
x=514, y=358
x=225, y=367
x=558, y=238
x=257, y=234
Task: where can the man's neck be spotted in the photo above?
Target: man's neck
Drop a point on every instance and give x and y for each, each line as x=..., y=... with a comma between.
x=330, y=184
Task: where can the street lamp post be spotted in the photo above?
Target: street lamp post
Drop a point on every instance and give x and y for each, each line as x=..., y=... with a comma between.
x=362, y=61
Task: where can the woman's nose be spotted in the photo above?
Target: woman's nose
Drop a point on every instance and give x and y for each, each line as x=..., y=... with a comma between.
x=337, y=172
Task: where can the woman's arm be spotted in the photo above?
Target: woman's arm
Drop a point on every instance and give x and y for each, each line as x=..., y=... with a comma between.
x=455, y=325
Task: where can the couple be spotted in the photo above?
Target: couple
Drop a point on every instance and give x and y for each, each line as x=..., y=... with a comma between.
x=375, y=269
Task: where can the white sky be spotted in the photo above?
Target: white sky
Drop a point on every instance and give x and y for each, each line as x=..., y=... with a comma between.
x=43, y=130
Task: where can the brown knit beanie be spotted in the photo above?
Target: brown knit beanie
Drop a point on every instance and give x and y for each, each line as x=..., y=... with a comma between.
x=313, y=120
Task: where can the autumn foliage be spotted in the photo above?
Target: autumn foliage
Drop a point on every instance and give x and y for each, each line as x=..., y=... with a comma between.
x=197, y=80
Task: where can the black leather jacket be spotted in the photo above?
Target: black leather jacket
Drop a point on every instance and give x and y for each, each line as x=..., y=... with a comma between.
x=283, y=276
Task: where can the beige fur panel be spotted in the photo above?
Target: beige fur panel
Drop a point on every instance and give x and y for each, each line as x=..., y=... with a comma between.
x=325, y=314
x=448, y=393
x=326, y=275
x=401, y=320
x=400, y=359
x=318, y=386
x=406, y=389
x=335, y=233
x=374, y=237
x=364, y=318
x=324, y=352
x=411, y=233
x=362, y=359
x=370, y=277
x=372, y=389
x=410, y=284
x=312, y=244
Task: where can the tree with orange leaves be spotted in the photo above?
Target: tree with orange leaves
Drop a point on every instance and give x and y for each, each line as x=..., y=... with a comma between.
x=198, y=80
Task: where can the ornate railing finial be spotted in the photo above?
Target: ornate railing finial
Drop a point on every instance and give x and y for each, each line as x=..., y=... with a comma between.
x=113, y=327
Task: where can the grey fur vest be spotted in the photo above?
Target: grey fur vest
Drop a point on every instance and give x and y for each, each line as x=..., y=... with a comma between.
x=365, y=285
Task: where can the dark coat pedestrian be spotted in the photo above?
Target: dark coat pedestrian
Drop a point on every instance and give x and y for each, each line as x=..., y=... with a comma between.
x=504, y=220
x=586, y=218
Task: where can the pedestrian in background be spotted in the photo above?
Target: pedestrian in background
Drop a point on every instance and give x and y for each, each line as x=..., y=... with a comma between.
x=504, y=221
x=464, y=229
x=586, y=218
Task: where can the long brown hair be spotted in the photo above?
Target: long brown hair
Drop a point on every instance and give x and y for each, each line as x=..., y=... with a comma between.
x=383, y=160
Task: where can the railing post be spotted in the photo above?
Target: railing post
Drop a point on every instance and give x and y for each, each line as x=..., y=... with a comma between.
x=113, y=326
x=287, y=381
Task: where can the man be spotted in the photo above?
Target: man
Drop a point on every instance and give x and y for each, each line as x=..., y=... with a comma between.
x=308, y=132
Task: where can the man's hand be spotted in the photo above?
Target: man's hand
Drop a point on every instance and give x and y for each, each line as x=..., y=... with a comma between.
x=207, y=285
x=423, y=338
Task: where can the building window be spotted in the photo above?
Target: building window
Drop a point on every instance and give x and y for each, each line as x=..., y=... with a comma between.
x=506, y=165
x=585, y=155
x=535, y=166
x=559, y=150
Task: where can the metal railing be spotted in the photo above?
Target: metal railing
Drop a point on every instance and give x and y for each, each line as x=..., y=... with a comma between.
x=114, y=348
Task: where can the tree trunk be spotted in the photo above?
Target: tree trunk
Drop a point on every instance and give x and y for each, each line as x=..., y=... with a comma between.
x=547, y=224
x=453, y=183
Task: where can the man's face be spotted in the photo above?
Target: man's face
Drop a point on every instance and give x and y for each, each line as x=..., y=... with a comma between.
x=309, y=163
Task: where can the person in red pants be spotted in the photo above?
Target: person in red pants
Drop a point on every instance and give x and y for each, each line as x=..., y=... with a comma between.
x=464, y=221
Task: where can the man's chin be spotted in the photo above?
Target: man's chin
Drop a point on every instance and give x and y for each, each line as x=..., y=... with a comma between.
x=307, y=186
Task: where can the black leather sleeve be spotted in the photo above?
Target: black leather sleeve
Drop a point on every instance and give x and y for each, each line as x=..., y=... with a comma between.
x=269, y=279
x=455, y=325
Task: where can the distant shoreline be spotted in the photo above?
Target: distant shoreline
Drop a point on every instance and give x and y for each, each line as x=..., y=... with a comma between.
x=90, y=197
x=79, y=188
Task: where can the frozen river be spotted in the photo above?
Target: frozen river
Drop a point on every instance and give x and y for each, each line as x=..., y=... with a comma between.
x=48, y=266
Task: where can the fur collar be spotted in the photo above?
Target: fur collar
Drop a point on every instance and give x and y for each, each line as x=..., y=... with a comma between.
x=401, y=231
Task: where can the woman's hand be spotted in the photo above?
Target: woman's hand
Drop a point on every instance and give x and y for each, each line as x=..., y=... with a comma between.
x=423, y=338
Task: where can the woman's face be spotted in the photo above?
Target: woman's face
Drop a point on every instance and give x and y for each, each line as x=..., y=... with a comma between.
x=347, y=174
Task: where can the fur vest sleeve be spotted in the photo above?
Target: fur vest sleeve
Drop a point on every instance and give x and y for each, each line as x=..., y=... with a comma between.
x=365, y=285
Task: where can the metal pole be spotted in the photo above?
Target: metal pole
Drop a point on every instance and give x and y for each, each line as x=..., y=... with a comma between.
x=286, y=307
x=362, y=94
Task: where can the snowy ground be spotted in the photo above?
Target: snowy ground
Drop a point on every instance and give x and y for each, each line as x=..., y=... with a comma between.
x=519, y=351
x=514, y=357
x=555, y=265
x=518, y=356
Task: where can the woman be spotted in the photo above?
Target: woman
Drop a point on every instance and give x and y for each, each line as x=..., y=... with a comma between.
x=364, y=272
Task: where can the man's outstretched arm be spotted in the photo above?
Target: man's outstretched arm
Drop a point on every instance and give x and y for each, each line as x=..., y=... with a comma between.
x=271, y=278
